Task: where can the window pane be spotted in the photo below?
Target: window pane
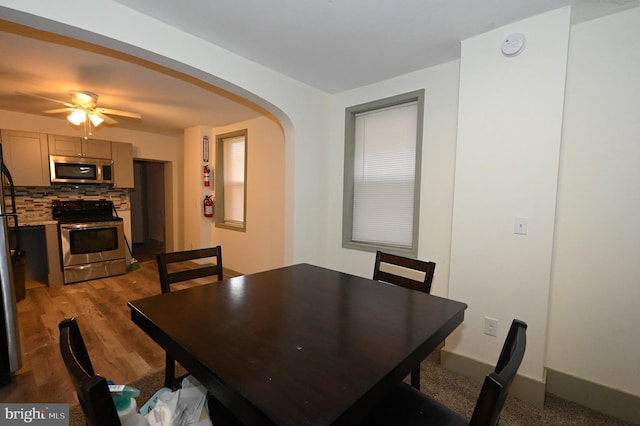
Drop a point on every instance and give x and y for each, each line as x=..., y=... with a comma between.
x=381, y=199
x=384, y=175
x=234, y=179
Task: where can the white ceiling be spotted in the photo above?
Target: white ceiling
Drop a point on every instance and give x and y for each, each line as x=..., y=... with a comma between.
x=333, y=45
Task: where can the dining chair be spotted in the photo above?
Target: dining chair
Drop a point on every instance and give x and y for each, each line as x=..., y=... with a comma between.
x=404, y=271
x=190, y=268
x=93, y=391
x=406, y=406
x=401, y=270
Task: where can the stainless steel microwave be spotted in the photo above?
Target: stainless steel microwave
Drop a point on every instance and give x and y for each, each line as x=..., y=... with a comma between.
x=80, y=169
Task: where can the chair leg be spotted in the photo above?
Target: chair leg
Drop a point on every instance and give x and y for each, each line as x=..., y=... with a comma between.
x=415, y=378
x=169, y=372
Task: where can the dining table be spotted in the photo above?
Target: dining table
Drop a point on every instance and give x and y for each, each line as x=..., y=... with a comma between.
x=298, y=345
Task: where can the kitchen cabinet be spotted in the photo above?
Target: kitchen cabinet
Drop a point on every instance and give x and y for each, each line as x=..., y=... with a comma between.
x=78, y=147
x=26, y=155
x=122, y=156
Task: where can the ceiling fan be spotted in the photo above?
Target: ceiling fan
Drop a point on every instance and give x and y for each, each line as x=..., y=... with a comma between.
x=83, y=109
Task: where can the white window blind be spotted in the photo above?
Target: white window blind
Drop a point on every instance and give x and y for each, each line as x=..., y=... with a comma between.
x=234, y=175
x=384, y=175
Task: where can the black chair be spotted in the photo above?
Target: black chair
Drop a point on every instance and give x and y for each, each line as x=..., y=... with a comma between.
x=194, y=271
x=407, y=406
x=93, y=391
x=402, y=264
x=424, y=285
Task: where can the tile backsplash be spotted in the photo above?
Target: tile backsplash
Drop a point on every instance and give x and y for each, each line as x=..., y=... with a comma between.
x=34, y=203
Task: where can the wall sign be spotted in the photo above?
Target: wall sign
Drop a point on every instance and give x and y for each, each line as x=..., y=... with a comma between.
x=205, y=149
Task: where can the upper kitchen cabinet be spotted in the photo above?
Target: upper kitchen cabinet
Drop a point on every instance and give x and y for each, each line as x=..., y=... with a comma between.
x=79, y=147
x=26, y=155
x=122, y=155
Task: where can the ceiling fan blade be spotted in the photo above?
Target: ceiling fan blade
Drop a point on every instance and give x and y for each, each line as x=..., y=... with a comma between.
x=106, y=118
x=59, y=110
x=33, y=95
x=118, y=112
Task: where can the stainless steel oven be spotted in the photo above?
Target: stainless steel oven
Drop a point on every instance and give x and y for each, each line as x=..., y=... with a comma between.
x=91, y=240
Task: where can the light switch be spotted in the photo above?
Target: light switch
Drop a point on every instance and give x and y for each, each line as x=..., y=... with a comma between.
x=520, y=226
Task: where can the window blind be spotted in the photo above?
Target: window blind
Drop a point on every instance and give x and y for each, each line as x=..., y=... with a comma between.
x=384, y=175
x=234, y=174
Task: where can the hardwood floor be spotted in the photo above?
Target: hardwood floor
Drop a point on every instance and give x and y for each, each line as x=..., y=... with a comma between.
x=119, y=350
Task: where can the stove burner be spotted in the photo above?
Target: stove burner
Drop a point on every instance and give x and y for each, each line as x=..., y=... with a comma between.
x=83, y=211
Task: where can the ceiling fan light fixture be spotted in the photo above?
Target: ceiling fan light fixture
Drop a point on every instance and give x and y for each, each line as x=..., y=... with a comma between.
x=77, y=117
x=87, y=100
x=95, y=120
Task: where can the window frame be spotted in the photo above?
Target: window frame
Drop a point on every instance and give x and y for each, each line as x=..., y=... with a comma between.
x=349, y=181
x=220, y=222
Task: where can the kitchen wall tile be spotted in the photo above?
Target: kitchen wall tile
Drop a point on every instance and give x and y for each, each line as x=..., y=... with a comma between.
x=34, y=203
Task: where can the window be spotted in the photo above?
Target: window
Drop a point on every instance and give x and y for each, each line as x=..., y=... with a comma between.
x=383, y=146
x=231, y=188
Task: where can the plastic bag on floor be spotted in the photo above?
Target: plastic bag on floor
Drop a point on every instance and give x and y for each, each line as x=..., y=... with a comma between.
x=186, y=406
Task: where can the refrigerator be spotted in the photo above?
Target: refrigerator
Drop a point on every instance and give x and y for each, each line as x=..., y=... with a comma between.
x=10, y=361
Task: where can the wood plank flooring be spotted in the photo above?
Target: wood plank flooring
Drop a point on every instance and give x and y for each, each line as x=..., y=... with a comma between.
x=119, y=350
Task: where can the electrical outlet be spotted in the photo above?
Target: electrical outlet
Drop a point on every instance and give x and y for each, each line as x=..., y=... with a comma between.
x=490, y=326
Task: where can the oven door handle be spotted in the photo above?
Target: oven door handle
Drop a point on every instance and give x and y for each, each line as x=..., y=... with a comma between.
x=90, y=225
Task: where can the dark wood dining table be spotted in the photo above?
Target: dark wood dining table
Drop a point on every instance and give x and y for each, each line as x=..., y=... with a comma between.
x=298, y=345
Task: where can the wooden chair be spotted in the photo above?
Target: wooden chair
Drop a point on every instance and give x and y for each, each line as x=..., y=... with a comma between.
x=407, y=406
x=93, y=392
x=196, y=270
x=424, y=285
x=404, y=263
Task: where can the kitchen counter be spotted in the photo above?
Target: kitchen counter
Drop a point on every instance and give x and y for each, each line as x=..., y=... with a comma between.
x=37, y=222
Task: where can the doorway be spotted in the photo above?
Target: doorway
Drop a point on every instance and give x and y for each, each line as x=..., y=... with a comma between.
x=148, y=210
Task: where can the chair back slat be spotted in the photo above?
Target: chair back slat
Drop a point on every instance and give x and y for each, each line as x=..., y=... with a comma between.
x=196, y=270
x=401, y=281
x=427, y=268
x=192, y=274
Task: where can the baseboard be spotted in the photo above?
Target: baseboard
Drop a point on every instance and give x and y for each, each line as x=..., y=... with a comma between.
x=595, y=396
x=524, y=388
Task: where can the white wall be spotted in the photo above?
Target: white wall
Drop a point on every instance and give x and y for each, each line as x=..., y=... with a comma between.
x=438, y=161
x=509, y=132
x=594, y=317
x=196, y=226
x=261, y=246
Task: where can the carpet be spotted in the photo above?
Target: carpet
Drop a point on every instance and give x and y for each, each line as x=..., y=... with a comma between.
x=460, y=393
x=456, y=391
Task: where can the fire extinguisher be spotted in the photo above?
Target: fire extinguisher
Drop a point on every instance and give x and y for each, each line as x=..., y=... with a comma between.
x=208, y=206
x=207, y=176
